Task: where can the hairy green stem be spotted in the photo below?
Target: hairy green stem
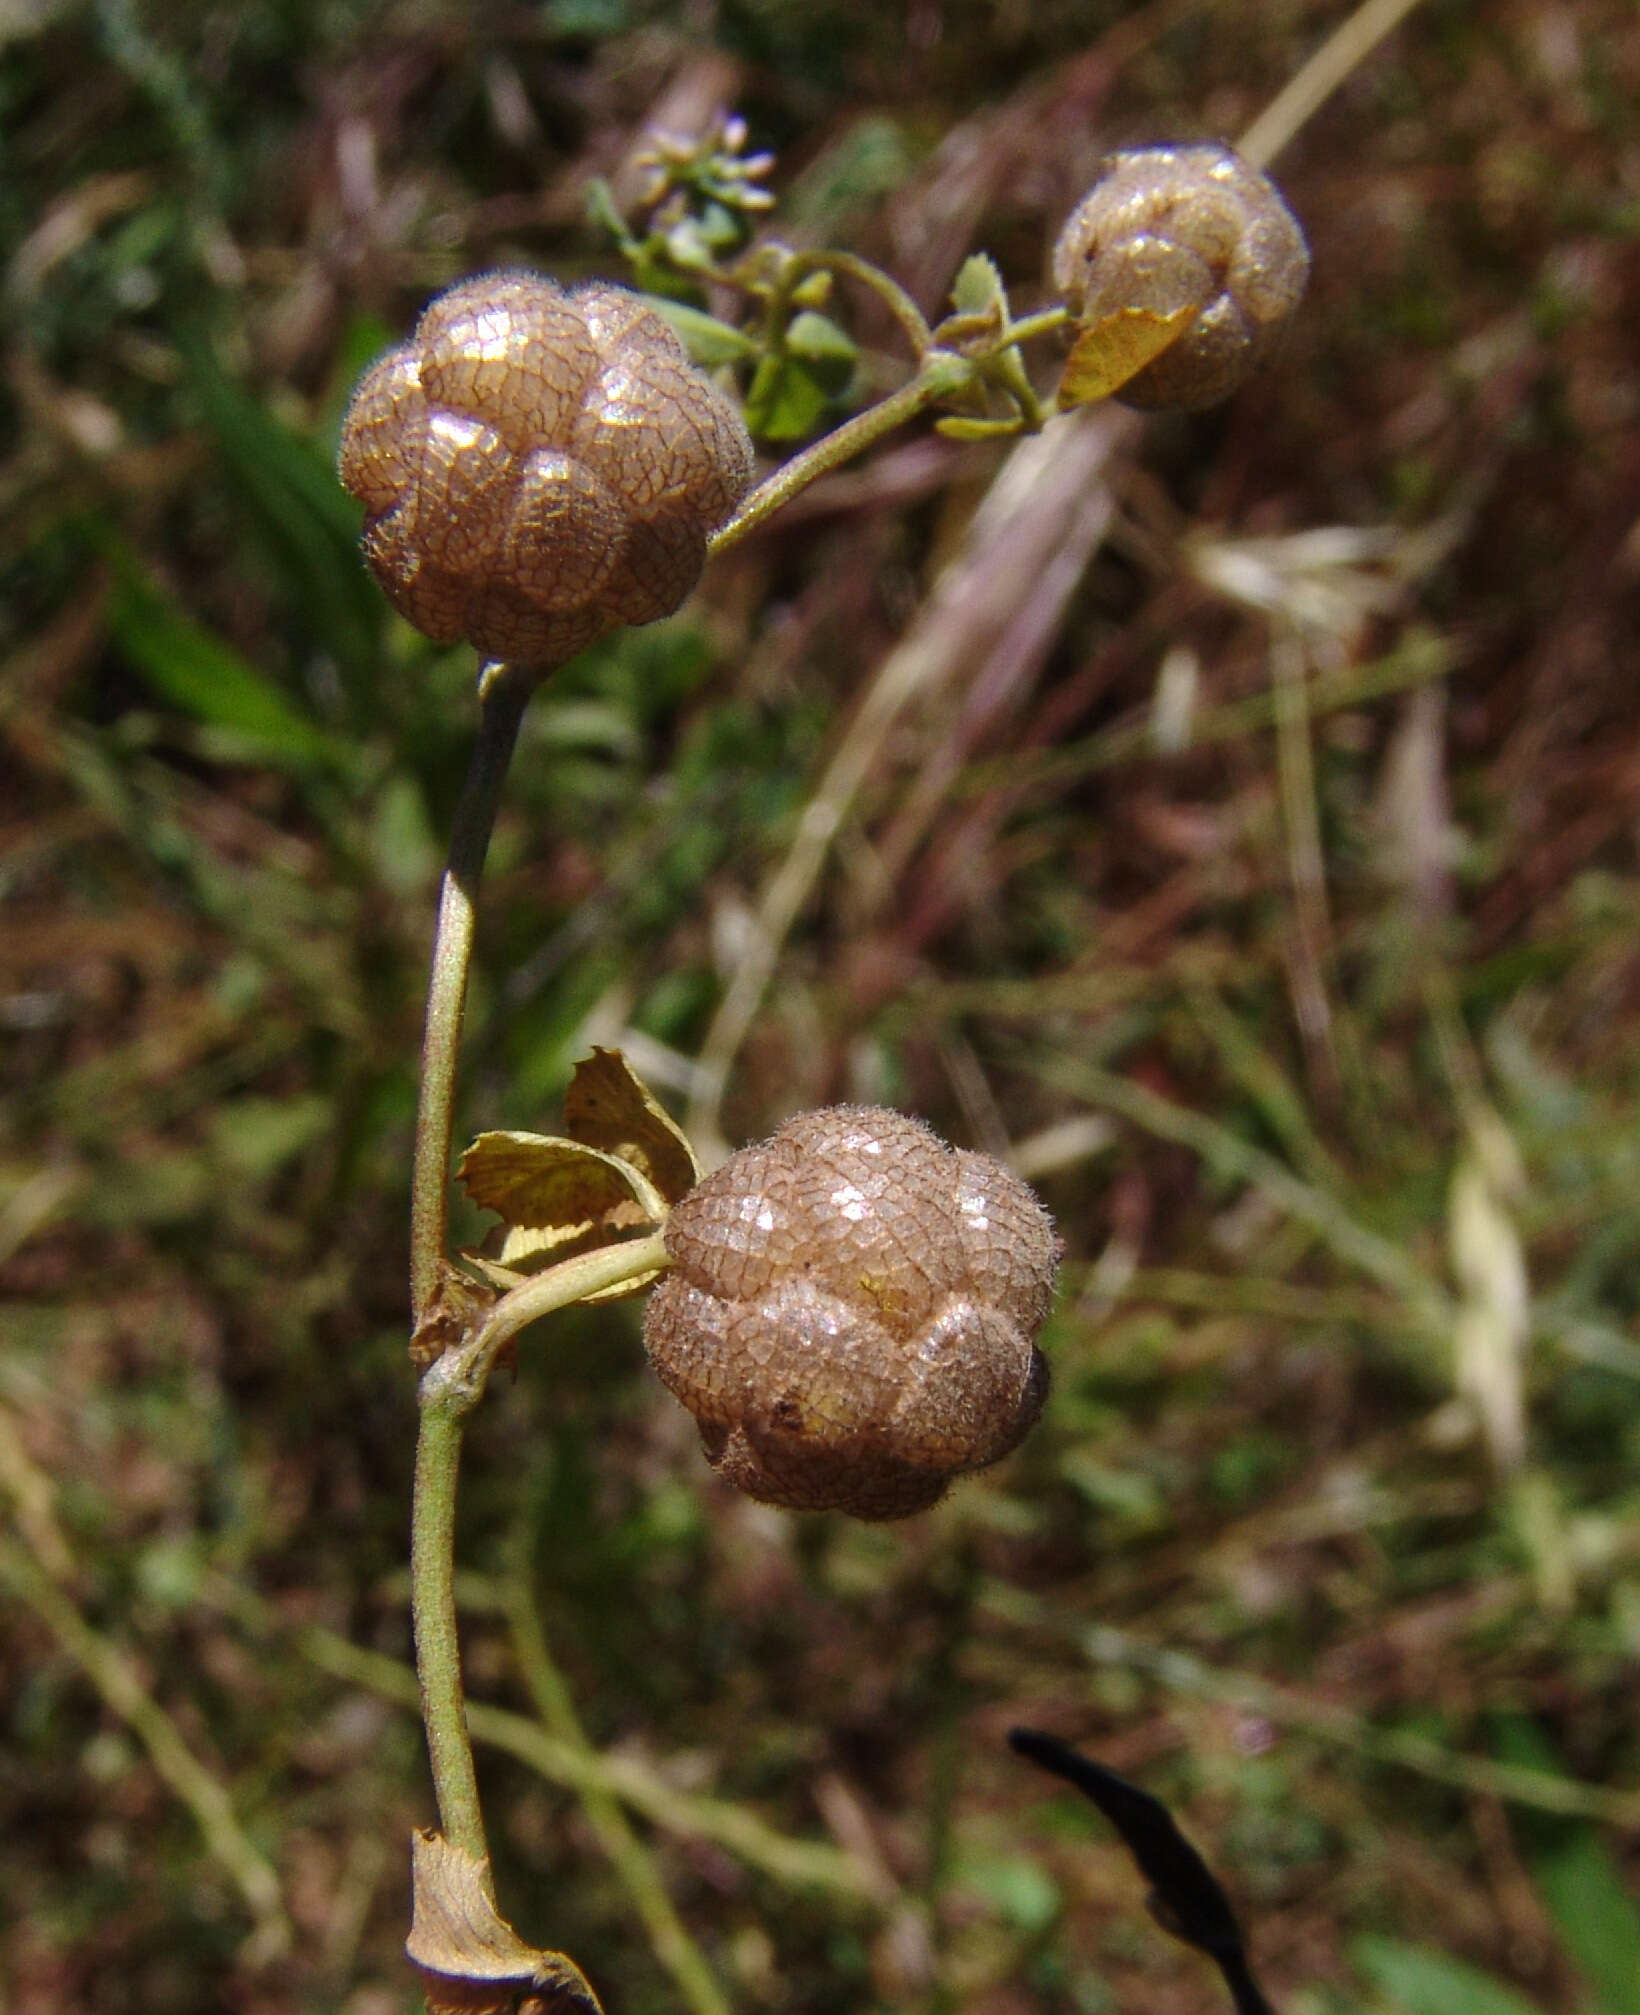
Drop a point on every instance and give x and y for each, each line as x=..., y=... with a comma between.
x=503, y=692
x=1046, y=322
x=845, y=265
x=941, y=373
x=438, y=1642
x=631, y=1264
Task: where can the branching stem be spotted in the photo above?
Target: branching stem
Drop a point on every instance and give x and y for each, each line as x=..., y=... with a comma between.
x=846, y=265
x=450, y=1390
x=455, y=1380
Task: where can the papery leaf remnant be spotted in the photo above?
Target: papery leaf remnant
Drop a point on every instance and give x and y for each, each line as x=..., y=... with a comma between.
x=608, y=1106
x=455, y=1306
x=471, y=1961
x=621, y=1166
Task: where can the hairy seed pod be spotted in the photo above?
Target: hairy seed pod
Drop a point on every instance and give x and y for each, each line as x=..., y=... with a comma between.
x=539, y=467
x=852, y=1311
x=1188, y=232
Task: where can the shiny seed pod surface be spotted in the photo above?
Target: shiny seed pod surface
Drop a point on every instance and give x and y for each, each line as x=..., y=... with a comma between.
x=852, y=1311
x=1194, y=228
x=538, y=467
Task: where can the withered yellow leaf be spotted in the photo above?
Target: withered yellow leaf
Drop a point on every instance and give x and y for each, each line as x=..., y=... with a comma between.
x=1117, y=347
x=546, y=1183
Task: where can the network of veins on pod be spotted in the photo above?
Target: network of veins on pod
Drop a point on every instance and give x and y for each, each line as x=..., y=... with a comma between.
x=849, y=1310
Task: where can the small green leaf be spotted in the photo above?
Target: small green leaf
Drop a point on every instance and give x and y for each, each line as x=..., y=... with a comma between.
x=690, y=246
x=708, y=341
x=978, y=286
x=1020, y=1890
x=1422, y=1981
x=1117, y=347
x=829, y=351
x=786, y=402
x=720, y=227
x=602, y=209
x=1596, y=1916
x=594, y=19
x=1580, y=1882
x=608, y=1107
x=307, y=524
x=255, y=1137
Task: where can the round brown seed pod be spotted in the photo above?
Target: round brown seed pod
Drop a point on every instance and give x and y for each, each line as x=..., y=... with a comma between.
x=1171, y=229
x=539, y=467
x=851, y=1313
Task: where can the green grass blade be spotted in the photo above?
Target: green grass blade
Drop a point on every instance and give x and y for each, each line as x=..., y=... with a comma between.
x=307, y=525
x=203, y=675
x=1418, y=1980
x=1595, y=1915
x=1581, y=1885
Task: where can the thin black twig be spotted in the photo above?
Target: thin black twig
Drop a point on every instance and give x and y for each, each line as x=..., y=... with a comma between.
x=1185, y=1898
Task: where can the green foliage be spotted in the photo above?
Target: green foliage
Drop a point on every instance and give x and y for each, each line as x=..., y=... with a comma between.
x=1420, y=1981
x=793, y=387
x=1582, y=1886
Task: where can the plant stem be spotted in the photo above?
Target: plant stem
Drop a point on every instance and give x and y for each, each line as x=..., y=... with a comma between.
x=887, y=289
x=451, y=1388
x=1046, y=322
x=503, y=691
x=631, y=1263
x=940, y=373
x=438, y=1643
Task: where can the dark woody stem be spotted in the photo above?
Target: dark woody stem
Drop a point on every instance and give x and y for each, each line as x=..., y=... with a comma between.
x=503, y=693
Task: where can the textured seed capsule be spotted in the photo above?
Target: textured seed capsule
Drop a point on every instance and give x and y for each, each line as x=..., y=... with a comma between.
x=1192, y=232
x=851, y=1313
x=539, y=467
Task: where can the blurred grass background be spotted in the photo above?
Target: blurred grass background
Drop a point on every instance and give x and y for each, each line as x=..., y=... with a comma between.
x=1262, y=875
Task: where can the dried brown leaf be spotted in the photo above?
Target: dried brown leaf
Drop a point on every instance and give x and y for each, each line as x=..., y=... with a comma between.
x=456, y=1304
x=524, y=1252
x=608, y=1106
